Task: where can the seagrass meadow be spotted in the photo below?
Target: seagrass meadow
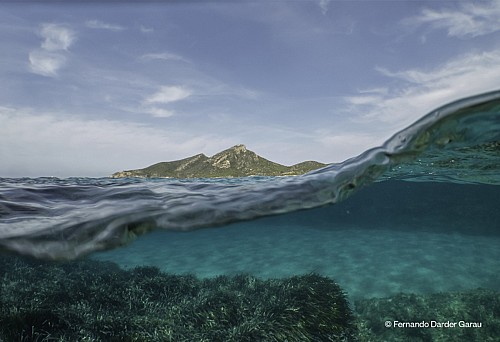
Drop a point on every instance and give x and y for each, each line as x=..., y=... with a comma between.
x=98, y=301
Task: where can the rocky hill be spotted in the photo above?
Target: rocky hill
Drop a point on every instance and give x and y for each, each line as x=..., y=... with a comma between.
x=236, y=161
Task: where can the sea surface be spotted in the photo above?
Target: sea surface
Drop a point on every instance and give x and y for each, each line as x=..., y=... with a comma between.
x=419, y=214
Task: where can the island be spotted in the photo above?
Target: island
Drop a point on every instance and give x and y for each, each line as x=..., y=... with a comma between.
x=236, y=161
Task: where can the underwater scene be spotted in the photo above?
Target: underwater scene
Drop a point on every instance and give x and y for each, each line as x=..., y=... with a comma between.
x=401, y=243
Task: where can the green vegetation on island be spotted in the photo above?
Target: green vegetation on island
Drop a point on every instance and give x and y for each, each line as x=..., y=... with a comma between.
x=236, y=161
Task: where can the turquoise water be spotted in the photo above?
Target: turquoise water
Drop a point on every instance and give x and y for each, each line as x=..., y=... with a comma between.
x=418, y=215
x=391, y=237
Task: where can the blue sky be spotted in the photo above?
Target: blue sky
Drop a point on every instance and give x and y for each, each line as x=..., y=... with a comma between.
x=90, y=89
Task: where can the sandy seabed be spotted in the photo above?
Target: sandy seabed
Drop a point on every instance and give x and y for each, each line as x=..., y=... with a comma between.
x=366, y=263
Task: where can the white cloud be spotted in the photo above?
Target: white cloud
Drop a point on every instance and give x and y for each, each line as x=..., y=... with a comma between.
x=145, y=29
x=97, y=24
x=375, y=114
x=49, y=58
x=323, y=4
x=58, y=144
x=56, y=37
x=163, y=56
x=46, y=63
x=377, y=90
x=470, y=20
x=168, y=94
x=160, y=112
x=420, y=91
x=361, y=99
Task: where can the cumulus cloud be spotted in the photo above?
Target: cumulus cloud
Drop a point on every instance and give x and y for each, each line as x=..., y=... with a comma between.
x=168, y=94
x=97, y=24
x=50, y=57
x=420, y=91
x=469, y=20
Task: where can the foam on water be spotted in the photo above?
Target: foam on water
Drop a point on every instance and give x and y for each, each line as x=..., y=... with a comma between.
x=68, y=218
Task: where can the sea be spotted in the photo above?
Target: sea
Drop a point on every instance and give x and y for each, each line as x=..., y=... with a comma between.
x=418, y=216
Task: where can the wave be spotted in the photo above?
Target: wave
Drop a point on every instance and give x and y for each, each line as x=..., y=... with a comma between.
x=50, y=218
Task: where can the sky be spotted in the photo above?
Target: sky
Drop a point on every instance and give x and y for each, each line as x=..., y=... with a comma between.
x=92, y=88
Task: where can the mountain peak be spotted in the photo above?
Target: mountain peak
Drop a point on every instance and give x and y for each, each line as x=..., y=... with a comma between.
x=239, y=148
